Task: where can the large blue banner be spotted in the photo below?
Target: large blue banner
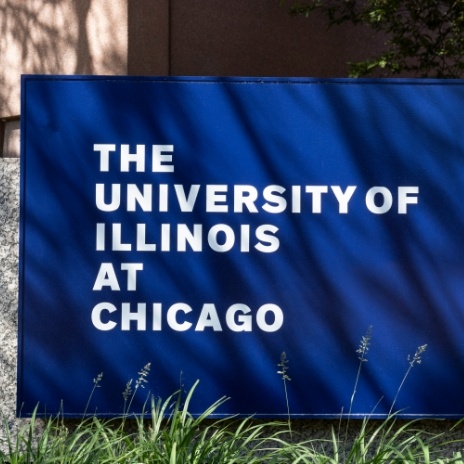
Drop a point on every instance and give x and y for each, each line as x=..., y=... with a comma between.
x=212, y=228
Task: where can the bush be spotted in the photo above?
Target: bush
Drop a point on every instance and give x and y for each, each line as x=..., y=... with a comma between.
x=423, y=38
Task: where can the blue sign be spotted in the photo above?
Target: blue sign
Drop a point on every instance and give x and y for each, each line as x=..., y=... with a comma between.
x=207, y=226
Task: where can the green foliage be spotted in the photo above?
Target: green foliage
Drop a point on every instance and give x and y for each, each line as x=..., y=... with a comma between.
x=172, y=435
x=423, y=38
x=387, y=442
x=183, y=439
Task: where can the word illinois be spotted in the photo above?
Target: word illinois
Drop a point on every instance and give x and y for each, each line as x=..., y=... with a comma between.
x=167, y=237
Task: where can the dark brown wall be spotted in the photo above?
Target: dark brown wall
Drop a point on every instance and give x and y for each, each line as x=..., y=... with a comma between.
x=148, y=47
x=238, y=37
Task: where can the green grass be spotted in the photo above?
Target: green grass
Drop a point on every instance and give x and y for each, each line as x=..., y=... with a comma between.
x=170, y=434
